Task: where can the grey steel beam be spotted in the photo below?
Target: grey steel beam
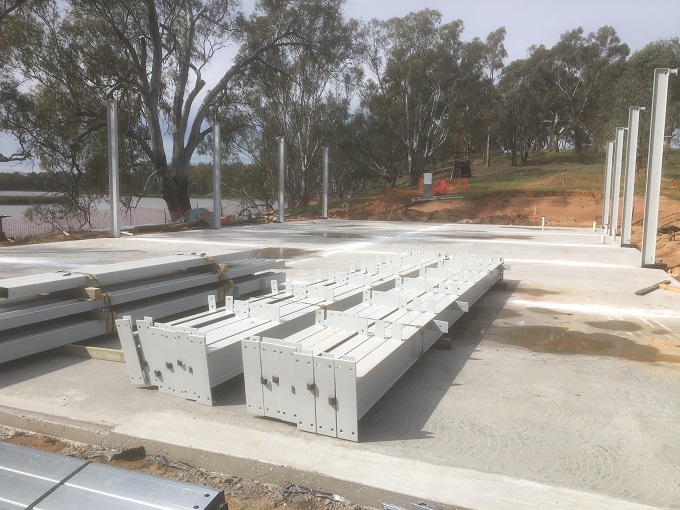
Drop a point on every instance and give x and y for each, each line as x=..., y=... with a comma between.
x=629, y=182
x=217, y=179
x=616, y=185
x=112, y=124
x=608, y=185
x=654, y=165
x=41, y=312
x=15, y=346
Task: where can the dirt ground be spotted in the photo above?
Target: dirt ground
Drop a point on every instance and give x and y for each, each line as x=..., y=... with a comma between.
x=572, y=209
x=240, y=493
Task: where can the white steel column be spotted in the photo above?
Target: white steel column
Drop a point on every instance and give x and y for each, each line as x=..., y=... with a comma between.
x=654, y=164
x=608, y=186
x=282, y=169
x=112, y=124
x=629, y=181
x=324, y=209
x=217, y=178
x=616, y=187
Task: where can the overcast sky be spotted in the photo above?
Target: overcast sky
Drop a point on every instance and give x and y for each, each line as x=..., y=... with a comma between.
x=528, y=22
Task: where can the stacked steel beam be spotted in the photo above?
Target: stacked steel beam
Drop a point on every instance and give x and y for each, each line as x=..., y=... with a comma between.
x=44, y=311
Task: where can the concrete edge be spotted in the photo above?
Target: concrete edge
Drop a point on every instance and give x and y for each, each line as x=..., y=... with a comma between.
x=106, y=437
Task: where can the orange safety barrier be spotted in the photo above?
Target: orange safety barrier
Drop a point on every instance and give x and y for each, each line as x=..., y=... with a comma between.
x=446, y=186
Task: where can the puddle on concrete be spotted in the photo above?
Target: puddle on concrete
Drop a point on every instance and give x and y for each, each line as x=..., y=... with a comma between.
x=546, y=311
x=562, y=341
x=279, y=253
x=508, y=314
x=335, y=235
x=616, y=325
x=484, y=236
x=531, y=291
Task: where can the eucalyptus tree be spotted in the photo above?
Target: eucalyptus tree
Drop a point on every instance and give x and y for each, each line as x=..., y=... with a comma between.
x=636, y=85
x=520, y=113
x=421, y=82
x=303, y=96
x=585, y=69
x=155, y=55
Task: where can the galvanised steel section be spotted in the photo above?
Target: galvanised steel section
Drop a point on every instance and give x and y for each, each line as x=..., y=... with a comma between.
x=629, y=180
x=324, y=208
x=608, y=185
x=47, y=481
x=189, y=356
x=616, y=187
x=217, y=179
x=326, y=376
x=112, y=125
x=654, y=165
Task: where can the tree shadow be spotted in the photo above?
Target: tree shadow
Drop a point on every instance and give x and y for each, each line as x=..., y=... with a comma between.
x=403, y=411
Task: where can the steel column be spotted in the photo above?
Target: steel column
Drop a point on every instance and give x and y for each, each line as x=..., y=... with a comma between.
x=217, y=178
x=616, y=187
x=608, y=186
x=112, y=124
x=654, y=164
x=324, y=212
x=282, y=169
x=629, y=182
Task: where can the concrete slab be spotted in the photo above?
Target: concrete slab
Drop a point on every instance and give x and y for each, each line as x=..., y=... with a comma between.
x=560, y=392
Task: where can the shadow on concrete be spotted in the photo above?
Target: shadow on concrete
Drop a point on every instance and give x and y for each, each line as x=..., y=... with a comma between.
x=34, y=366
x=405, y=409
x=230, y=393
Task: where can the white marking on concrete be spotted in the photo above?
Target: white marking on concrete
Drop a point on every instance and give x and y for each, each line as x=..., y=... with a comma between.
x=443, y=484
x=183, y=241
x=523, y=242
x=595, y=309
x=570, y=263
x=42, y=262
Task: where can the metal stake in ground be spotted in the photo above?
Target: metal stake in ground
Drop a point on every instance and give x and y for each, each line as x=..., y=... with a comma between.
x=654, y=164
x=629, y=180
x=112, y=124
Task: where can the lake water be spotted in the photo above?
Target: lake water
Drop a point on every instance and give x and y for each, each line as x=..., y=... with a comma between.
x=149, y=210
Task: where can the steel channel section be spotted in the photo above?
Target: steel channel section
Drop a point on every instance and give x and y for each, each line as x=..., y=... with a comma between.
x=616, y=188
x=608, y=185
x=655, y=164
x=15, y=346
x=629, y=179
x=41, y=312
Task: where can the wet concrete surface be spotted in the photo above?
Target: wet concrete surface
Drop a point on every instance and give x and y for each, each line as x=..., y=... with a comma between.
x=556, y=340
x=561, y=391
